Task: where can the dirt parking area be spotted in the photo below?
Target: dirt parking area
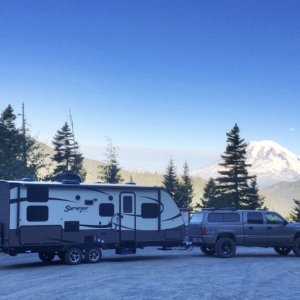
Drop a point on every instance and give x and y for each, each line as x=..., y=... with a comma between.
x=254, y=273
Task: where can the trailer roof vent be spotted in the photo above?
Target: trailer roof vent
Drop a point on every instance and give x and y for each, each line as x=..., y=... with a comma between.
x=69, y=178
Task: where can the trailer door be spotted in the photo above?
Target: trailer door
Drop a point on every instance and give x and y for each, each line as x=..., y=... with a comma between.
x=127, y=220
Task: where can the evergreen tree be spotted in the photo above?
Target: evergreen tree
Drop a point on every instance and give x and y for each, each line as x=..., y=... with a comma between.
x=77, y=163
x=20, y=156
x=233, y=182
x=186, y=190
x=210, y=196
x=10, y=142
x=295, y=213
x=171, y=183
x=110, y=170
x=254, y=201
x=67, y=156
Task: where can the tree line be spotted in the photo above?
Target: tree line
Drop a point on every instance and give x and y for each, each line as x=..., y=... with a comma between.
x=21, y=157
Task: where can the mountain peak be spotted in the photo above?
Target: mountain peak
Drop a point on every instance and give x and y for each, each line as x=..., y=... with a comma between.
x=270, y=161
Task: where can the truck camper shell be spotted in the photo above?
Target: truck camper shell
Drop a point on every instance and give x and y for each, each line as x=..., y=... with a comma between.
x=75, y=221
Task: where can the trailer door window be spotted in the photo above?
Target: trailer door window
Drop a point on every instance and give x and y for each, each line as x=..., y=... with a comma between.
x=106, y=209
x=149, y=210
x=37, y=193
x=37, y=213
x=127, y=204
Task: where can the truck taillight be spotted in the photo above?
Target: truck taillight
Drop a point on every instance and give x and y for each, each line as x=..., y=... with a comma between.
x=203, y=230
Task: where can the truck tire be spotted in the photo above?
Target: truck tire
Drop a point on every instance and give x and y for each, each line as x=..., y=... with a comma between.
x=225, y=247
x=46, y=256
x=283, y=250
x=73, y=256
x=208, y=250
x=296, y=247
x=93, y=255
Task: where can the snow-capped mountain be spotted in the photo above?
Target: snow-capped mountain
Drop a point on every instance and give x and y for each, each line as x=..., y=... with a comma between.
x=269, y=161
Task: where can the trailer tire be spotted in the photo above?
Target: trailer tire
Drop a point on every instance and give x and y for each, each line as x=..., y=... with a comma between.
x=46, y=256
x=93, y=255
x=73, y=256
x=225, y=247
x=296, y=247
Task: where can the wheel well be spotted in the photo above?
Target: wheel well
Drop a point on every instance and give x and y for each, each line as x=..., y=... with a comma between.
x=226, y=234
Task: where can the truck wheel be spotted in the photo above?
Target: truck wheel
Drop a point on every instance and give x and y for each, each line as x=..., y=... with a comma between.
x=296, y=247
x=208, y=250
x=225, y=247
x=73, y=256
x=93, y=255
x=46, y=256
x=283, y=250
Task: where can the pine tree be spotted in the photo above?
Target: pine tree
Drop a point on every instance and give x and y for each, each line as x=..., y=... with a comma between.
x=254, y=201
x=185, y=189
x=233, y=182
x=210, y=196
x=67, y=156
x=10, y=142
x=171, y=183
x=20, y=155
x=295, y=213
x=110, y=170
x=77, y=163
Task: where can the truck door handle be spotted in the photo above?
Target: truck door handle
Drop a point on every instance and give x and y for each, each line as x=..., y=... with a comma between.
x=251, y=227
x=269, y=227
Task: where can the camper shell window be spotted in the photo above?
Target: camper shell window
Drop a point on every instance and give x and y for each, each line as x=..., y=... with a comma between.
x=106, y=209
x=37, y=193
x=149, y=210
x=127, y=204
x=255, y=218
x=39, y=213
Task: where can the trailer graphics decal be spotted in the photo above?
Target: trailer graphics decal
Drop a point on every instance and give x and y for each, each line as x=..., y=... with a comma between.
x=76, y=208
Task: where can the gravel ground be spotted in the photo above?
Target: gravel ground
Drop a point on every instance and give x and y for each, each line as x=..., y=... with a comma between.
x=254, y=273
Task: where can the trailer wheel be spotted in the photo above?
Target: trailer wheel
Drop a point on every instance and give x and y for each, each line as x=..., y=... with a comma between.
x=283, y=250
x=208, y=250
x=296, y=247
x=46, y=256
x=225, y=247
x=73, y=256
x=93, y=255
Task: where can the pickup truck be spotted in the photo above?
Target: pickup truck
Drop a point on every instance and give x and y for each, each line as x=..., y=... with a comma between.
x=220, y=231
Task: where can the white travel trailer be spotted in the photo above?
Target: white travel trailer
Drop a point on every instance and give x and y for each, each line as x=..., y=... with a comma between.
x=75, y=221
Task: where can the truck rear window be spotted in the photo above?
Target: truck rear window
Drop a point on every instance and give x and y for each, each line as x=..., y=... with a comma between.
x=197, y=218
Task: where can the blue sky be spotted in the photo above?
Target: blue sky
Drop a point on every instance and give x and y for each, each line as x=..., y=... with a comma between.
x=169, y=76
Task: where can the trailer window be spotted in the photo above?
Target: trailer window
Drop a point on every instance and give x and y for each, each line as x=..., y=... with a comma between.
x=149, y=210
x=106, y=209
x=37, y=213
x=127, y=204
x=37, y=193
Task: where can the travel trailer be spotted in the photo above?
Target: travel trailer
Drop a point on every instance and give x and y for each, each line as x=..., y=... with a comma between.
x=77, y=221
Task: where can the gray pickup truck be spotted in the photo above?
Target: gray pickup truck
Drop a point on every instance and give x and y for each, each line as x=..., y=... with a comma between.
x=220, y=231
